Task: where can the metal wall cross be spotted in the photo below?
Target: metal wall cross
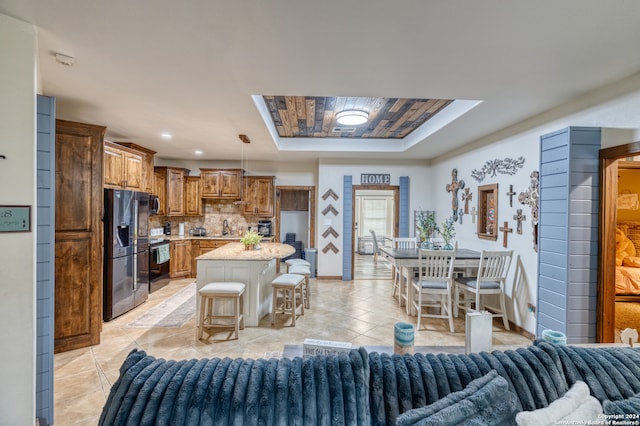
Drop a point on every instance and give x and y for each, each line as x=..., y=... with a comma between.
x=466, y=197
x=505, y=231
x=511, y=194
x=473, y=214
x=453, y=188
x=520, y=218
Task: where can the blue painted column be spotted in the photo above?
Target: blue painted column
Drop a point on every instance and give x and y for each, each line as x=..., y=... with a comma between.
x=347, y=230
x=403, y=220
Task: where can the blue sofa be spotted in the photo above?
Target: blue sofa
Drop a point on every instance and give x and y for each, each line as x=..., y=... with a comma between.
x=368, y=388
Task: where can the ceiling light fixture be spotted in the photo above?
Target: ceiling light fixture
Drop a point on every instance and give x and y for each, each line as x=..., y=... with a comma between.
x=352, y=117
x=198, y=152
x=165, y=136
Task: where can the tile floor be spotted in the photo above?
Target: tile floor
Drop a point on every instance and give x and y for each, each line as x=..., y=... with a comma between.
x=361, y=311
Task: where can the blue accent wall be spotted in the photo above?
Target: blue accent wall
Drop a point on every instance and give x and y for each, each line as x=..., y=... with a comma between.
x=403, y=221
x=347, y=231
x=45, y=164
x=568, y=233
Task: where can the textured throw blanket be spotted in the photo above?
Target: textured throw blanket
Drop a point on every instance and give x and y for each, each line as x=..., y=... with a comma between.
x=354, y=388
x=314, y=390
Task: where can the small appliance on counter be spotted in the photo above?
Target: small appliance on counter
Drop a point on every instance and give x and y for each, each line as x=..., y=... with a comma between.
x=167, y=228
x=265, y=227
x=200, y=231
x=181, y=229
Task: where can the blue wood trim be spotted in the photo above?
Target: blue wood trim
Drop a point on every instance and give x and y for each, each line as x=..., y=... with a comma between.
x=347, y=231
x=45, y=273
x=403, y=220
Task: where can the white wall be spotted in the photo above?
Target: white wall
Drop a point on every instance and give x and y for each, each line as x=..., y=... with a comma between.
x=330, y=176
x=17, y=250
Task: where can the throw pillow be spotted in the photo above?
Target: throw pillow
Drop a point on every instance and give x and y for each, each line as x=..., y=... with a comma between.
x=625, y=406
x=485, y=401
x=577, y=405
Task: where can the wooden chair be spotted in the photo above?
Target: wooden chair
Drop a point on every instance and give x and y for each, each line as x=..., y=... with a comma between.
x=209, y=318
x=401, y=242
x=491, y=279
x=435, y=279
x=289, y=288
x=375, y=247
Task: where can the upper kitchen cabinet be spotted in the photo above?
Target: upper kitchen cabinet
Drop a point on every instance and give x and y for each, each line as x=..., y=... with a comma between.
x=147, y=164
x=224, y=184
x=171, y=194
x=192, y=197
x=258, y=195
x=122, y=167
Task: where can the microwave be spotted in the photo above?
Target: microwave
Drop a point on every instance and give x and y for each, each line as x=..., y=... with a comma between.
x=154, y=204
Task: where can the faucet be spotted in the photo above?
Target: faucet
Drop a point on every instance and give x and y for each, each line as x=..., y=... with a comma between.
x=225, y=227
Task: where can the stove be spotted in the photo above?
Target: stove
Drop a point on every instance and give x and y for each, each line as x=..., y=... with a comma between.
x=158, y=272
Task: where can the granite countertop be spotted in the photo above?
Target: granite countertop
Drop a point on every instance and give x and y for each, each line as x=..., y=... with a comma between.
x=210, y=237
x=236, y=251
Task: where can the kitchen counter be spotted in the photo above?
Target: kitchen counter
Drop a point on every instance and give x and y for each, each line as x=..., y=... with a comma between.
x=236, y=251
x=255, y=268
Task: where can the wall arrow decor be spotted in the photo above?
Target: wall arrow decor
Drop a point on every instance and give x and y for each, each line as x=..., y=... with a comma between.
x=331, y=247
x=331, y=209
x=330, y=231
x=331, y=194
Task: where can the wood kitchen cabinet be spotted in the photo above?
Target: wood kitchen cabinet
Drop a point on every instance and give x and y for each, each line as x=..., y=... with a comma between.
x=225, y=184
x=122, y=168
x=192, y=197
x=258, y=195
x=147, y=165
x=169, y=187
x=181, y=258
x=78, y=235
x=200, y=247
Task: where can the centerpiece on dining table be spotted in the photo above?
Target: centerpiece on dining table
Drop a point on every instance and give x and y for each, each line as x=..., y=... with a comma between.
x=251, y=240
x=448, y=232
x=426, y=223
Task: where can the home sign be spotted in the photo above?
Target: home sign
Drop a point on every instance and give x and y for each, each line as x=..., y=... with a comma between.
x=375, y=179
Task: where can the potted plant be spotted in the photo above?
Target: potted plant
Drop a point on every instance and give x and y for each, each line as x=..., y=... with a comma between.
x=448, y=232
x=426, y=223
x=251, y=240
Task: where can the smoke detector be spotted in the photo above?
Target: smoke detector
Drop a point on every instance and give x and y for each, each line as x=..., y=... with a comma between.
x=65, y=59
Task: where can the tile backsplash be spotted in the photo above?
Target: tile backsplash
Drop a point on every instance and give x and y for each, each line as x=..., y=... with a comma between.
x=215, y=212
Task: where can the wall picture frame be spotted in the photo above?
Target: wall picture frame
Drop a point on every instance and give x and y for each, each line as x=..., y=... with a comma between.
x=488, y=212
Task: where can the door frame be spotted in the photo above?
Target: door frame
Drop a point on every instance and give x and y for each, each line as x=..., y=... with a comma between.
x=608, y=158
x=396, y=212
x=312, y=210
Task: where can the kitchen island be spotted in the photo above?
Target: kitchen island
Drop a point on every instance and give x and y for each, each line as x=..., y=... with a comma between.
x=255, y=268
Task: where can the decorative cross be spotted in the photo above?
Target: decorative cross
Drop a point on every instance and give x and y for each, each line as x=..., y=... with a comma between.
x=466, y=197
x=520, y=218
x=531, y=198
x=473, y=214
x=511, y=194
x=460, y=214
x=505, y=231
x=453, y=188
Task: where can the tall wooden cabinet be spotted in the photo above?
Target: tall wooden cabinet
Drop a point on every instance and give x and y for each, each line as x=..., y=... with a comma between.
x=258, y=195
x=78, y=235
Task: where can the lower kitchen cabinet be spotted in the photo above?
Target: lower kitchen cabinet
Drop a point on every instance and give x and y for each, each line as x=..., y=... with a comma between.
x=181, y=255
x=200, y=247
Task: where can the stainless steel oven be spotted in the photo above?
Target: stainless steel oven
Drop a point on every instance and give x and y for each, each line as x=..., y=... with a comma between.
x=158, y=265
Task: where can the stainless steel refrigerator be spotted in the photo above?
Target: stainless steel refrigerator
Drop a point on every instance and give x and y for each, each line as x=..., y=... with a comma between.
x=126, y=251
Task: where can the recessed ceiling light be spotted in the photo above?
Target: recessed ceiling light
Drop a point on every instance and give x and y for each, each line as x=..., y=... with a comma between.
x=198, y=152
x=165, y=135
x=352, y=117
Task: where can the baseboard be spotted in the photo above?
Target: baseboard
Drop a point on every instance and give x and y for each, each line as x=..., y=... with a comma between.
x=329, y=278
x=519, y=330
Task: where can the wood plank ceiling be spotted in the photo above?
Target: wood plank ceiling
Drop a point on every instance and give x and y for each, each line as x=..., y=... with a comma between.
x=315, y=116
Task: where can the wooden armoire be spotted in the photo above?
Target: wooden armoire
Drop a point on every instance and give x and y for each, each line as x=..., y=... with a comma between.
x=78, y=235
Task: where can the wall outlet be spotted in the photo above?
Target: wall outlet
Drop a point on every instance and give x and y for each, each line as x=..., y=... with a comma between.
x=531, y=308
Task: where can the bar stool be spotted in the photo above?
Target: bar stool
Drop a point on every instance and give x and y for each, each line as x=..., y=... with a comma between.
x=233, y=291
x=305, y=271
x=290, y=287
x=292, y=262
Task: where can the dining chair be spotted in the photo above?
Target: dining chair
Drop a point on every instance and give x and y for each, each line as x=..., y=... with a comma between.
x=432, y=287
x=375, y=247
x=490, y=280
x=401, y=242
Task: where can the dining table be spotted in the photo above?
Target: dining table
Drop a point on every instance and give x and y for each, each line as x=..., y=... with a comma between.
x=408, y=258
